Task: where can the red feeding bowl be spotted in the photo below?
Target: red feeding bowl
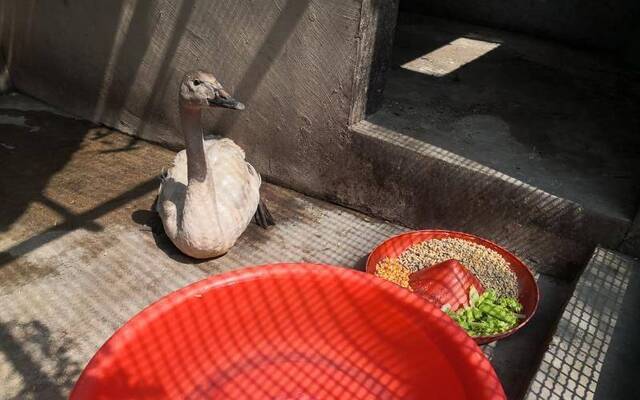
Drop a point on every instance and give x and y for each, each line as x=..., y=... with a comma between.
x=290, y=331
x=528, y=294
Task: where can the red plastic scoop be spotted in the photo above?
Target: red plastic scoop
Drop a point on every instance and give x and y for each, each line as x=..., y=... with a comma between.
x=445, y=283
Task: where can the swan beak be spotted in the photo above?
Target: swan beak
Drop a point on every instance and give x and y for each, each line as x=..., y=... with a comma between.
x=226, y=101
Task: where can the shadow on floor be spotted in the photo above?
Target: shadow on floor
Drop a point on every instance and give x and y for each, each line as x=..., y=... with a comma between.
x=552, y=117
x=36, y=145
x=30, y=157
x=57, y=231
x=150, y=221
x=17, y=342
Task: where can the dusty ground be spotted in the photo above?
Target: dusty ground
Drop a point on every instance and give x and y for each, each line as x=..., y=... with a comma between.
x=81, y=252
x=562, y=120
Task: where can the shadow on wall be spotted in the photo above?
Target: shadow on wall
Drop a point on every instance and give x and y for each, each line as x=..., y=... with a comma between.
x=266, y=55
x=23, y=20
x=138, y=53
x=117, y=53
x=29, y=141
x=120, y=38
x=123, y=35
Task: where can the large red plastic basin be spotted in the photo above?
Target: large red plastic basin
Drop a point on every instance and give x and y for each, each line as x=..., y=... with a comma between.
x=528, y=293
x=290, y=331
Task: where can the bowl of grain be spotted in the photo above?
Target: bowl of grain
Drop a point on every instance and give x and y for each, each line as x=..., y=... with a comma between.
x=496, y=268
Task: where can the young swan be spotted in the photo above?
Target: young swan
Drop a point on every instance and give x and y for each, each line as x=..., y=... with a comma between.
x=210, y=194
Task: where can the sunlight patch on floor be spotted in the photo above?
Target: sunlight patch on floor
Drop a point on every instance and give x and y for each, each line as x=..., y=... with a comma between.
x=450, y=57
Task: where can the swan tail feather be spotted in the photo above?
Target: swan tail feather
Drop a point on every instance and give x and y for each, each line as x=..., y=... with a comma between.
x=263, y=217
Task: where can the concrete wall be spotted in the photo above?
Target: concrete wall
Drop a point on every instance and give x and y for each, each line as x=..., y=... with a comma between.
x=304, y=68
x=631, y=244
x=586, y=23
x=293, y=62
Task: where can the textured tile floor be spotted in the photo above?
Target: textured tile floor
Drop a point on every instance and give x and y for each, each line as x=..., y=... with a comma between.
x=595, y=352
x=81, y=252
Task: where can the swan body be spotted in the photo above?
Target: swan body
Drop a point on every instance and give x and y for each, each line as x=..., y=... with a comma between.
x=210, y=194
x=209, y=229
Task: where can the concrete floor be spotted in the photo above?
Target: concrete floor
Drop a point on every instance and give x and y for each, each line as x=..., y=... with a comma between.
x=595, y=352
x=80, y=252
x=559, y=119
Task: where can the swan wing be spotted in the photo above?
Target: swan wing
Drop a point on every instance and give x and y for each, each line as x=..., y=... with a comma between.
x=236, y=183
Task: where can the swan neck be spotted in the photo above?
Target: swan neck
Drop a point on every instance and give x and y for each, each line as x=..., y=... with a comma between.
x=192, y=130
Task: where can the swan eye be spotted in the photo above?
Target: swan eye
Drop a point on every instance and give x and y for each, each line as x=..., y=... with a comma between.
x=196, y=82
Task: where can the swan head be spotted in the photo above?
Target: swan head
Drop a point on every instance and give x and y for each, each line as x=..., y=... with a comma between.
x=200, y=89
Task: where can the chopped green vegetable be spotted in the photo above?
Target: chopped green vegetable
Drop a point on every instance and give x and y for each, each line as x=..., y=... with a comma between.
x=487, y=314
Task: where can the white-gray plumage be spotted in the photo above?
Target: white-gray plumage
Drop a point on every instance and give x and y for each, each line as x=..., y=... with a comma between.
x=210, y=194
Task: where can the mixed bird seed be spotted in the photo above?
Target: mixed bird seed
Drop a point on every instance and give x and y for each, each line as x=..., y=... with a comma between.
x=491, y=269
x=391, y=270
